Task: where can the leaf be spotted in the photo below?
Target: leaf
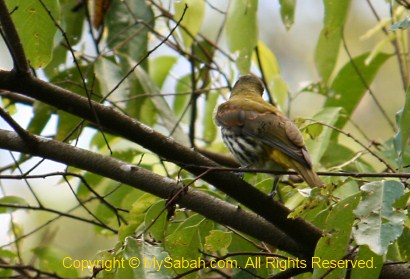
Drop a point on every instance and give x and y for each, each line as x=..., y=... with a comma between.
x=132, y=258
x=188, y=239
x=148, y=256
x=160, y=67
x=67, y=126
x=274, y=79
x=59, y=58
x=335, y=242
x=217, y=240
x=137, y=215
x=35, y=27
x=373, y=264
x=383, y=44
x=404, y=244
x=348, y=86
x=183, y=89
x=318, y=146
x=287, y=12
x=70, y=79
x=192, y=20
x=126, y=35
x=242, y=32
x=328, y=45
x=73, y=22
x=157, y=230
x=162, y=107
x=109, y=74
x=50, y=259
x=12, y=200
x=402, y=24
x=210, y=130
x=403, y=134
x=380, y=224
x=41, y=116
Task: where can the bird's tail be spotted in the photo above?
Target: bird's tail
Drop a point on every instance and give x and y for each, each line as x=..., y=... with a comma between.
x=308, y=174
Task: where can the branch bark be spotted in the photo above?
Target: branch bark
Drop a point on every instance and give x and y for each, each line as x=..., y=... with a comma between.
x=137, y=177
x=301, y=231
x=12, y=40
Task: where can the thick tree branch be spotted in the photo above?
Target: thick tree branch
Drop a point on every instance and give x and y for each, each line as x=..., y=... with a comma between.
x=207, y=205
x=301, y=231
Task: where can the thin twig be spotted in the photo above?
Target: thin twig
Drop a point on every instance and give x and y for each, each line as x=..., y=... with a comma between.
x=82, y=77
x=395, y=44
x=147, y=55
x=13, y=42
x=28, y=138
x=347, y=134
x=366, y=85
x=60, y=213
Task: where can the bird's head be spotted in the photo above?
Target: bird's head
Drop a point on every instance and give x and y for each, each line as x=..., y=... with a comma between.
x=248, y=85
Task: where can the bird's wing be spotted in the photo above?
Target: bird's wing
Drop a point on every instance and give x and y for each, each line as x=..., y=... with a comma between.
x=271, y=128
x=279, y=132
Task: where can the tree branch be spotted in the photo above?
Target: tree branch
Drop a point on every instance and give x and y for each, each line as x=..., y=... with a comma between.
x=14, y=45
x=301, y=231
x=209, y=206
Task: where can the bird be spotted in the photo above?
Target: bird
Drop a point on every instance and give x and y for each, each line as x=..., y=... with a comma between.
x=259, y=135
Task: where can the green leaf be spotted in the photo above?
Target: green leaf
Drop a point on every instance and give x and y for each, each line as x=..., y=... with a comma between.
x=210, y=130
x=67, y=126
x=41, y=116
x=161, y=105
x=50, y=259
x=70, y=79
x=192, y=20
x=313, y=130
x=7, y=254
x=275, y=82
x=109, y=74
x=59, y=58
x=183, y=89
x=126, y=34
x=35, y=27
x=188, y=239
x=242, y=31
x=380, y=224
x=157, y=215
x=373, y=264
x=137, y=215
x=328, y=45
x=335, y=242
x=336, y=155
x=148, y=255
x=132, y=258
x=403, y=134
x=287, y=12
x=72, y=22
x=217, y=240
x=404, y=244
x=160, y=67
x=348, y=87
x=319, y=145
x=238, y=245
x=12, y=200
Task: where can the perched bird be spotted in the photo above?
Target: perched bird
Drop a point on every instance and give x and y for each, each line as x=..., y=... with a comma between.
x=259, y=135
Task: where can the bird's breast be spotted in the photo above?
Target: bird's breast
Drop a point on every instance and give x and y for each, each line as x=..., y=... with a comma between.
x=247, y=150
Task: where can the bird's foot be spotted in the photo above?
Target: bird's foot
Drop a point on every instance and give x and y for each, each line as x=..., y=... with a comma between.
x=239, y=173
x=273, y=192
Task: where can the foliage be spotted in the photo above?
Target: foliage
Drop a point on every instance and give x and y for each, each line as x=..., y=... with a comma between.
x=155, y=62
